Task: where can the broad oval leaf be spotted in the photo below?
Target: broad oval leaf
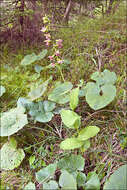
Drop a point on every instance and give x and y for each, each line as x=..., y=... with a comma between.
x=42, y=111
x=45, y=117
x=2, y=90
x=39, y=91
x=118, y=180
x=93, y=182
x=42, y=54
x=88, y=132
x=81, y=179
x=95, y=99
x=60, y=94
x=86, y=145
x=71, y=143
x=105, y=77
x=74, y=98
x=51, y=185
x=38, y=68
x=46, y=173
x=72, y=163
x=70, y=118
x=30, y=186
x=82, y=91
x=49, y=106
x=11, y=157
x=12, y=121
x=24, y=102
x=67, y=181
x=28, y=59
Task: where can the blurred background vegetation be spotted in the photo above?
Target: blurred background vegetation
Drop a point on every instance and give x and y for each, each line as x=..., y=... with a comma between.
x=21, y=20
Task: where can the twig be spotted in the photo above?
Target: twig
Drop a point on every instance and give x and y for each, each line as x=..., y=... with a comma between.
x=112, y=111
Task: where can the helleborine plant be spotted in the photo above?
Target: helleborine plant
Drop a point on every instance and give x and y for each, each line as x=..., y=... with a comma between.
x=56, y=58
x=73, y=120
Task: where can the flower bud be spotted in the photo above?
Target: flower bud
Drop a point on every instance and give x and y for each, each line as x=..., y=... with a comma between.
x=57, y=53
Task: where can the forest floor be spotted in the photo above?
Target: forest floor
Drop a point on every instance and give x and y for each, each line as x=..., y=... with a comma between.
x=81, y=39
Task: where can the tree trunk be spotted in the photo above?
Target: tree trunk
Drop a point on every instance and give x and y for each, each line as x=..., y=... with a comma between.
x=45, y=7
x=33, y=24
x=80, y=7
x=110, y=6
x=21, y=17
x=116, y=6
x=106, y=5
x=67, y=11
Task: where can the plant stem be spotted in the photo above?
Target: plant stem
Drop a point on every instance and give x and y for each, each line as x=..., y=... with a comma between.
x=61, y=73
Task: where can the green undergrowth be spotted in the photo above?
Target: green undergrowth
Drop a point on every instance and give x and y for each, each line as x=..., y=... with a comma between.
x=107, y=34
x=82, y=42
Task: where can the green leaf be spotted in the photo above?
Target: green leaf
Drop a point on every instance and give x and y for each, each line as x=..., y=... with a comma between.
x=86, y=145
x=28, y=59
x=49, y=106
x=95, y=99
x=66, y=61
x=42, y=111
x=82, y=91
x=60, y=94
x=32, y=159
x=101, y=93
x=39, y=91
x=51, y=185
x=38, y=68
x=74, y=98
x=67, y=181
x=93, y=182
x=72, y=163
x=35, y=76
x=13, y=142
x=57, y=110
x=12, y=121
x=30, y=186
x=88, y=132
x=11, y=157
x=81, y=178
x=45, y=117
x=105, y=77
x=42, y=54
x=70, y=118
x=70, y=143
x=23, y=102
x=46, y=173
x=118, y=180
x=2, y=90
